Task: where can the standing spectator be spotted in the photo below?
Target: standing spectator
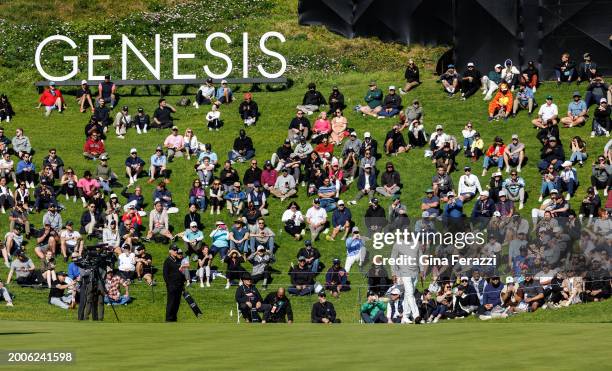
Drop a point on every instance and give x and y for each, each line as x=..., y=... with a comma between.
x=248, y=110
x=162, y=117
x=355, y=250
x=312, y=100
x=175, y=280
x=123, y=121
x=412, y=77
x=107, y=91
x=373, y=99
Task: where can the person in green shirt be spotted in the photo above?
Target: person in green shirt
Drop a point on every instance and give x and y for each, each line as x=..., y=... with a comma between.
x=373, y=99
x=373, y=311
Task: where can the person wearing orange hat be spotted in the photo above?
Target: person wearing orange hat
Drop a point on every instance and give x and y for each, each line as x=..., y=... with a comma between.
x=501, y=103
x=248, y=109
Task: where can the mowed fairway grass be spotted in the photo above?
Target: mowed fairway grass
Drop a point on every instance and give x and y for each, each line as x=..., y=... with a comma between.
x=519, y=346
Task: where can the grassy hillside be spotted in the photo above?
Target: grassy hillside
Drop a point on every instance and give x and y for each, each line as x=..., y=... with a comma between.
x=313, y=55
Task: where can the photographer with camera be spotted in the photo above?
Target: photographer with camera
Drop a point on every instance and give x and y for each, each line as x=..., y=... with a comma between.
x=261, y=260
x=373, y=311
x=57, y=295
x=175, y=281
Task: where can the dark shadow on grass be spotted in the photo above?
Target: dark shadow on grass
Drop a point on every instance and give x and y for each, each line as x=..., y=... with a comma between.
x=23, y=333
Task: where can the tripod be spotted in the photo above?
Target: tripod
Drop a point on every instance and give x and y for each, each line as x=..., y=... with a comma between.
x=92, y=296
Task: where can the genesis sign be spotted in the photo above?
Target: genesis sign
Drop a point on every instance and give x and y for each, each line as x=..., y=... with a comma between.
x=154, y=67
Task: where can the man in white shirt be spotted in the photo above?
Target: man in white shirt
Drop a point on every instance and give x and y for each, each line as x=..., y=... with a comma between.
x=469, y=184
x=7, y=168
x=205, y=94
x=70, y=240
x=548, y=112
x=284, y=186
x=127, y=263
x=316, y=218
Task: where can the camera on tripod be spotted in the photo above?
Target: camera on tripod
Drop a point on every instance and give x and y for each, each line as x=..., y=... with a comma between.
x=96, y=256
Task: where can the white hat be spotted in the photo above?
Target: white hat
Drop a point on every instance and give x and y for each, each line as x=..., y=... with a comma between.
x=355, y=229
x=567, y=163
x=497, y=213
x=353, y=133
x=509, y=279
x=367, y=166
x=451, y=193
x=113, y=195
x=340, y=202
x=497, y=173
x=555, y=191
x=395, y=291
x=83, y=82
x=193, y=224
x=464, y=278
x=392, y=87
x=218, y=222
x=367, y=134
x=514, y=136
x=439, y=127
x=260, y=248
x=470, y=64
x=224, y=81
x=602, y=100
x=502, y=193
x=484, y=193
x=498, y=66
x=133, y=150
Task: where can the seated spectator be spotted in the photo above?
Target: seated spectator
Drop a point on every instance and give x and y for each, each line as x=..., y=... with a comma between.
x=162, y=117
x=327, y=194
x=204, y=263
x=144, y=265
x=587, y=69
x=302, y=279
x=21, y=143
x=470, y=81
x=515, y=188
x=392, y=104
x=579, y=151
x=205, y=170
x=174, y=144
x=590, y=204
x=324, y=148
x=285, y=185
x=533, y=293
x=18, y=217
x=113, y=294
x=25, y=272
x=235, y=199
x=412, y=77
x=336, y=279
x=494, y=155
x=568, y=179
x=469, y=184
x=243, y=149
x=510, y=74
x=239, y=237
x=70, y=241
x=373, y=99
x=205, y=94
x=158, y=223
x=91, y=221
x=416, y=134
x=261, y=259
x=502, y=103
x=52, y=99
x=261, y=234
x=7, y=201
x=216, y=197
x=192, y=146
x=134, y=166
x=219, y=239
x=234, y=270
x=551, y=154
x=141, y=121
x=298, y=127
x=105, y=175
x=601, y=119
x=94, y=147
x=596, y=90
x=341, y=221
x=224, y=93
x=57, y=294
x=44, y=196
x=375, y=219
x=213, y=117
x=312, y=256
x=321, y=128
x=7, y=168
x=111, y=237
x=484, y=207
x=395, y=142
x=163, y=195
x=122, y=122
x=197, y=195
x=249, y=300
x=565, y=70
x=323, y=311
x=280, y=307
x=293, y=220
x=491, y=81
x=13, y=244
x=514, y=154
x=248, y=109
x=576, y=112
x=6, y=109
x=158, y=166
x=373, y=311
x=207, y=152
x=430, y=203
x=55, y=162
x=193, y=239
x=601, y=175
x=524, y=100
x=312, y=100
x=530, y=76
x=442, y=182
x=450, y=80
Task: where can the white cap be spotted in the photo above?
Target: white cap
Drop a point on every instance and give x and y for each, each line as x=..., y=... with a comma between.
x=484, y=193
x=602, y=100
x=392, y=87
x=340, y=202
x=470, y=64
x=555, y=191
x=567, y=163
x=133, y=150
x=224, y=81
x=367, y=166
x=260, y=248
x=451, y=193
x=353, y=133
x=509, y=279
x=464, y=278
x=439, y=127
x=502, y=193
x=218, y=222
x=113, y=195
x=514, y=136
x=367, y=134
x=497, y=173
x=83, y=82
x=497, y=213
x=395, y=291
x=193, y=224
x=498, y=66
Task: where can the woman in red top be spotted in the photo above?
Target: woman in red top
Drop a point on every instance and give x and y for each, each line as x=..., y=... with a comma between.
x=494, y=155
x=324, y=147
x=52, y=99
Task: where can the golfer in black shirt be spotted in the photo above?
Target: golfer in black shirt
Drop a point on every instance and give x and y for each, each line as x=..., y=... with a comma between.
x=174, y=283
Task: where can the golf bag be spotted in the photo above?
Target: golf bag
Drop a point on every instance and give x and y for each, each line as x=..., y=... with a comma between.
x=192, y=304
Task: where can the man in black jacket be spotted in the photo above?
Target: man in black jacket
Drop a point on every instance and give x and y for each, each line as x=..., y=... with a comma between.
x=243, y=149
x=249, y=300
x=248, y=109
x=470, y=82
x=336, y=101
x=312, y=100
x=311, y=254
x=323, y=311
x=302, y=282
x=412, y=77
x=375, y=219
x=551, y=154
x=280, y=307
x=175, y=279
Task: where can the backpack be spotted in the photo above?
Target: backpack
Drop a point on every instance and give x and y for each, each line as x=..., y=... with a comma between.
x=184, y=102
